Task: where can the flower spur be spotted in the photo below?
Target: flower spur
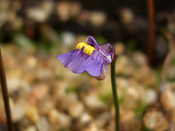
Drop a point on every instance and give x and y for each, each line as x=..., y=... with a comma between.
x=89, y=57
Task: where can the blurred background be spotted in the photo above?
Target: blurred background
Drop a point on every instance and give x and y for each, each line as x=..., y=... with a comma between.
x=45, y=96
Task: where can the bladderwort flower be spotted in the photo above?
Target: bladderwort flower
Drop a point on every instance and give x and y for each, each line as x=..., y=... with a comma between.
x=94, y=59
x=89, y=57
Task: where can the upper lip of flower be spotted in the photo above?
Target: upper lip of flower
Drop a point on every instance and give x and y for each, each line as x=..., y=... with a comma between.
x=108, y=57
x=89, y=49
x=106, y=50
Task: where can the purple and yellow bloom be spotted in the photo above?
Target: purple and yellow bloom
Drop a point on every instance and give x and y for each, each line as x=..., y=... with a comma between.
x=89, y=57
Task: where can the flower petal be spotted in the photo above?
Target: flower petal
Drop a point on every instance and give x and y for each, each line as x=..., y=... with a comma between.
x=107, y=48
x=91, y=41
x=108, y=51
x=104, y=72
x=94, y=66
x=79, y=62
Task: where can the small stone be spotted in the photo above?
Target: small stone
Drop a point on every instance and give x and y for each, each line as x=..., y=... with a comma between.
x=44, y=74
x=133, y=92
x=150, y=96
x=40, y=13
x=31, y=62
x=40, y=90
x=76, y=109
x=139, y=59
x=59, y=90
x=13, y=83
x=123, y=83
x=85, y=117
x=47, y=6
x=110, y=126
x=83, y=17
x=63, y=120
x=97, y=18
x=42, y=124
x=90, y=127
x=32, y=114
x=172, y=115
x=129, y=103
x=144, y=75
x=64, y=102
x=75, y=9
x=102, y=120
x=18, y=112
x=30, y=128
x=123, y=62
x=24, y=123
x=126, y=15
x=62, y=9
x=53, y=116
x=92, y=102
x=119, y=48
x=155, y=120
x=126, y=115
x=45, y=106
x=4, y=13
x=82, y=121
x=68, y=38
x=168, y=97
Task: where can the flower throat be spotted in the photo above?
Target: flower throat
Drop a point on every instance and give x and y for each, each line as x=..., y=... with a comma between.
x=87, y=48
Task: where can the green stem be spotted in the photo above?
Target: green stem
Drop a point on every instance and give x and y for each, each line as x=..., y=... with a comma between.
x=3, y=84
x=114, y=92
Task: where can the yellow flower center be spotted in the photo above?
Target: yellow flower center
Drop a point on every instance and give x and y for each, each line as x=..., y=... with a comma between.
x=87, y=48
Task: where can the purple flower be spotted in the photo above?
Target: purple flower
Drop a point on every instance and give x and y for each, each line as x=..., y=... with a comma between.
x=89, y=57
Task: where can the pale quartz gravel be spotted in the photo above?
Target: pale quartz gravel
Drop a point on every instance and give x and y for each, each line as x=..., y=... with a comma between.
x=39, y=85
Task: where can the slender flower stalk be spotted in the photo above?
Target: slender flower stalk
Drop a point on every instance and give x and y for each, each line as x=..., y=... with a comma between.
x=5, y=94
x=114, y=92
